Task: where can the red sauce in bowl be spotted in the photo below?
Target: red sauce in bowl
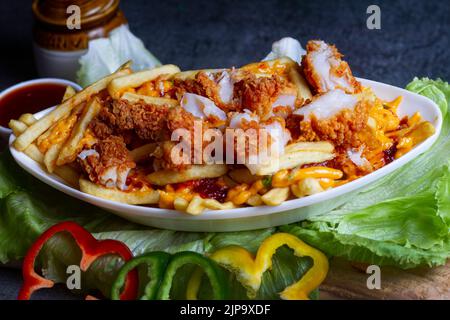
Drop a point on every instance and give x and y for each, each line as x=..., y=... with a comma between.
x=31, y=98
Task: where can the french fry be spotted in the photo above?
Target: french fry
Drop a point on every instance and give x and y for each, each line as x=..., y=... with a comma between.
x=133, y=98
x=190, y=74
x=320, y=146
x=195, y=172
x=46, y=134
x=70, y=92
x=297, y=154
x=28, y=119
x=51, y=155
x=306, y=187
x=180, y=204
x=39, y=127
x=72, y=146
x=65, y=172
x=68, y=174
x=255, y=200
x=144, y=196
x=197, y=205
x=34, y=153
x=17, y=127
x=142, y=152
x=300, y=84
x=117, y=86
x=276, y=196
x=60, y=131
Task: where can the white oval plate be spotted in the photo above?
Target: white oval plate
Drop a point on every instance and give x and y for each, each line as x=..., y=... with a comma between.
x=253, y=217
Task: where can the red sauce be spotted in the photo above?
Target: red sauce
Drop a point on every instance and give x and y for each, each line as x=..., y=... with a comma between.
x=30, y=99
x=389, y=154
x=206, y=188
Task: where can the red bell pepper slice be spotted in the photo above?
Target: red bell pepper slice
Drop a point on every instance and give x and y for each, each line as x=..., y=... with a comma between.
x=91, y=249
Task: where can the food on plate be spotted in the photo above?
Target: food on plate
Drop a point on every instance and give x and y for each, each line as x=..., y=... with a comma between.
x=216, y=139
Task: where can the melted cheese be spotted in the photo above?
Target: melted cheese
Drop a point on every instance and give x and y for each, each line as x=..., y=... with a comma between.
x=59, y=133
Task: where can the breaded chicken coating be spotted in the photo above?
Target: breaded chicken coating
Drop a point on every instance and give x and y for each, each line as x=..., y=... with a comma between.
x=108, y=162
x=147, y=121
x=342, y=129
x=258, y=94
x=335, y=116
x=325, y=70
x=203, y=84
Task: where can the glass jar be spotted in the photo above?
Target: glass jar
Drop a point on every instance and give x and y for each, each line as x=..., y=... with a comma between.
x=63, y=28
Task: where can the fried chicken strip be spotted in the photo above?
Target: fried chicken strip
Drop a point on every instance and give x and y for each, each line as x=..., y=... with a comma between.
x=334, y=116
x=325, y=70
x=107, y=163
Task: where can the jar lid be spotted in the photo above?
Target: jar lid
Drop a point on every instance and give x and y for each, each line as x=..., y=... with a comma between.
x=54, y=12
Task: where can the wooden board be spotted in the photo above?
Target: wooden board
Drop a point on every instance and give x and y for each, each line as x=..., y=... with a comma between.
x=347, y=280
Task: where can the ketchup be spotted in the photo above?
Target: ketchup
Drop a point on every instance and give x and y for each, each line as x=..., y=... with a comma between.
x=30, y=99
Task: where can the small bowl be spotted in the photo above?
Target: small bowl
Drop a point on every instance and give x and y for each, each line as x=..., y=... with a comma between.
x=5, y=132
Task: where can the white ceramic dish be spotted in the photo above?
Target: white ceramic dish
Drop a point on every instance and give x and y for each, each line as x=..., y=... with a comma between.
x=5, y=132
x=254, y=217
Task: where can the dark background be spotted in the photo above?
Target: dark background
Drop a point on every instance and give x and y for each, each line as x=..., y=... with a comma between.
x=413, y=41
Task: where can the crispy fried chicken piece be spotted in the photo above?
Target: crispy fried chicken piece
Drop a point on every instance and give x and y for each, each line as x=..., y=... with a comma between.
x=107, y=163
x=100, y=128
x=203, y=84
x=334, y=116
x=147, y=121
x=150, y=121
x=178, y=118
x=258, y=94
x=232, y=93
x=342, y=129
x=325, y=70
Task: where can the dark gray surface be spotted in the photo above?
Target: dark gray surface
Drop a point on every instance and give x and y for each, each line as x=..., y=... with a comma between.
x=413, y=41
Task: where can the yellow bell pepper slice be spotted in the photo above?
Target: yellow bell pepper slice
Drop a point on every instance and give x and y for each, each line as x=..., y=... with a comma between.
x=249, y=270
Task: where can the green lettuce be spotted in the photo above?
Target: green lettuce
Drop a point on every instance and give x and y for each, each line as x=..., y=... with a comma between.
x=436, y=90
x=105, y=55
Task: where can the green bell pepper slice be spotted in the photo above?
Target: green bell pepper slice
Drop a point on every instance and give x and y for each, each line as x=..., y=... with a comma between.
x=215, y=274
x=156, y=261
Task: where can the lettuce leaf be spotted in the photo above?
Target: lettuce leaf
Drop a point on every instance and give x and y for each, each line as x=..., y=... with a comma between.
x=286, y=47
x=105, y=55
x=436, y=90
